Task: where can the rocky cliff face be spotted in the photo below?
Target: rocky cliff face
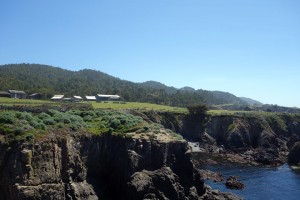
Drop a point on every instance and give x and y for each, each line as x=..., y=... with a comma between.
x=294, y=155
x=231, y=131
x=265, y=139
x=234, y=132
x=98, y=167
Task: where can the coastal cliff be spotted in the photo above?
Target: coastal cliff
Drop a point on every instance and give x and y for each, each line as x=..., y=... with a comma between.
x=97, y=167
x=95, y=154
x=57, y=155
x=265, y=138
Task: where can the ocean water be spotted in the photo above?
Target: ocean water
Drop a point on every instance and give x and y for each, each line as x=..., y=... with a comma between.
x=261, y=183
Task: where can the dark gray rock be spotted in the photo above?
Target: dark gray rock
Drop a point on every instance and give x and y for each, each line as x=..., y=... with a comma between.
x=95, y=167
x=217, y=195
x=159, y=184
x=233, y=183
x=294, y=155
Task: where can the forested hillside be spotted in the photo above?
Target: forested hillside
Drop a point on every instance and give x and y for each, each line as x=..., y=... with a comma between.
x=251, y=101
x=48, y=80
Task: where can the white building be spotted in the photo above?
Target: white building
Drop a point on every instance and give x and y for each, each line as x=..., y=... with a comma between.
x=90, y=98
x=107, y=97
x=57, y=97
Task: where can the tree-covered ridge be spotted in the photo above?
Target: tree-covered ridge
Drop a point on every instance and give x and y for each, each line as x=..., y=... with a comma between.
x=48, y=80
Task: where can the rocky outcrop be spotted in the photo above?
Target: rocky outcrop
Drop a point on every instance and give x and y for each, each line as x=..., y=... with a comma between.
x=188, y=126
x=242, y=138
x=238, y=132
x=247, y=140
x=233, y=183
x=158, y=184
x=51, y=169
x=211, y=194
x=210, y=175
x=294, y=155
x=98, y=167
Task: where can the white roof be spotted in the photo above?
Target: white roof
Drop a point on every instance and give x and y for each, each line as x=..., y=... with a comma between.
x=77, y=97
x=109, y=96
x=58, y=96
x=90, y=97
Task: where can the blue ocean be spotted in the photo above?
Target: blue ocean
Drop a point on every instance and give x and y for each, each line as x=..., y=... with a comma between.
x=261, y=182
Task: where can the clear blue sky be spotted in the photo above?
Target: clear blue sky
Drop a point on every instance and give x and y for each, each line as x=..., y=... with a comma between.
x=247, y=47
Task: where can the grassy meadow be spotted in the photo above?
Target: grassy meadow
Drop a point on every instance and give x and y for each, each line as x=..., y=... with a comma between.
x=136, y=105
x=116, y=105
x=30, y=102
x=97, y=105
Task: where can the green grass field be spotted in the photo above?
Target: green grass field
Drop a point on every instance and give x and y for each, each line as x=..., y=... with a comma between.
x=12, y=101
x=96, y=105
x=229, y=112
x=124, y=105
x=136, y=105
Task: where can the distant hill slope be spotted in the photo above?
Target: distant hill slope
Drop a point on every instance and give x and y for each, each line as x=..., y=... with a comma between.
x=187, y=89
x=159, y=86
x=48, y=80
x=251, y=101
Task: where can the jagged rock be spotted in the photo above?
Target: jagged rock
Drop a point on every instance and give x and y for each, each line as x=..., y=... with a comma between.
x=294, y=155
x=268, y=157
x=292, y=140
x=217, y=195
x=207, y=139
x=233, y=183
x=210, y=175
x=95, y=167
x=160, y=184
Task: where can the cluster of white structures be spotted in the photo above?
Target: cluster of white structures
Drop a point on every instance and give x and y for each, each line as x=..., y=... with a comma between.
x=98, y=97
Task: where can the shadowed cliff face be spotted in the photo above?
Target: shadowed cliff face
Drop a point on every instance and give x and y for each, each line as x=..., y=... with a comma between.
x=232, y=132
x=104, y=167
x=294, y=155
x=236, y=132
x=266, y=139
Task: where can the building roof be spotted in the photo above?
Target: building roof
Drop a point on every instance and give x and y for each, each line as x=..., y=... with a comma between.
x=16, y=92
x=57, y=97
x=108, y=96
x=90, y=97
x=77, y=97
x=34, y=94
x=4, y=93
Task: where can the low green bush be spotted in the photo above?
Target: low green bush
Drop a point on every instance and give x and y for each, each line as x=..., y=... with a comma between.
x=7, y=117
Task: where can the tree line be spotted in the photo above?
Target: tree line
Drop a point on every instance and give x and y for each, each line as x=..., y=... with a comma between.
x=49, y=80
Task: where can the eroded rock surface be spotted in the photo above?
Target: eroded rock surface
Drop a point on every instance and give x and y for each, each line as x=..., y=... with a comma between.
x=233, y=183
x=294, y=155
x=98, y=167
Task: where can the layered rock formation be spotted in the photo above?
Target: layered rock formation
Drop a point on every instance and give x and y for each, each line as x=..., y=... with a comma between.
x=294, y=155
x=98, y=167
x=264, y=139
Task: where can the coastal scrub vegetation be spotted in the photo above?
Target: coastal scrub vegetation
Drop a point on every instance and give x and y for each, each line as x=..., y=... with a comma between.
x=15, y=125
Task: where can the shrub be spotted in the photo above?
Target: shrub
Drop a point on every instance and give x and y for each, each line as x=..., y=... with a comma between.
x=43, y=116
x=49, y=121
x=38, y=124
x=25, y=116
x=22, y=126
x=88, y=118
x=7, y=117
x=115, y=123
